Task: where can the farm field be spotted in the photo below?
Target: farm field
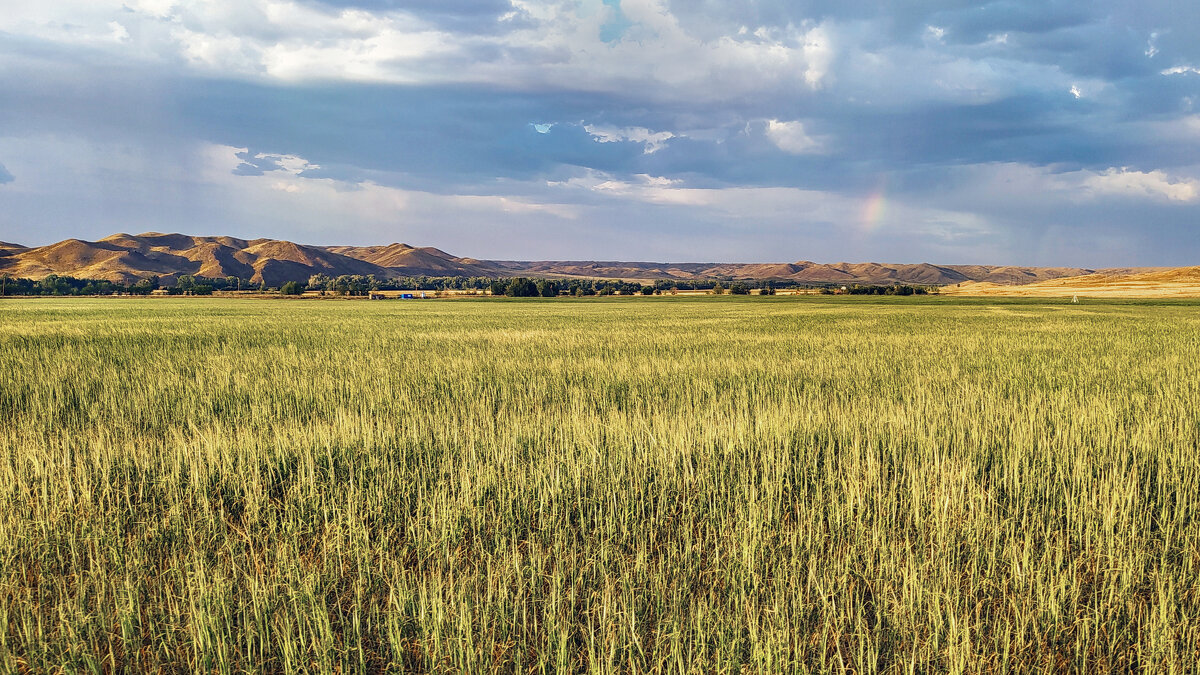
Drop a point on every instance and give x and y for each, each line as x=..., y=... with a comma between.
x=1181, y=282
x=664, y=484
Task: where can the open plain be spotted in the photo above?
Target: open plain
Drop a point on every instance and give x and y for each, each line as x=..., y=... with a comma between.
x=665, y=484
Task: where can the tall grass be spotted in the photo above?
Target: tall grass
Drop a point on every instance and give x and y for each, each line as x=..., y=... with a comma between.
x=659, y=484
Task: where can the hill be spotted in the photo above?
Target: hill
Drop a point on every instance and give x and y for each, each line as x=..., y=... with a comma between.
x=427, y=260
x=802, y=271
x=1153, y=283
x=125, y=258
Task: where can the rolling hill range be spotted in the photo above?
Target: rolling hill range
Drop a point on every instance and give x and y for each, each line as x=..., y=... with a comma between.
x=1181, y=282
x=126, y=258
x=802, y=271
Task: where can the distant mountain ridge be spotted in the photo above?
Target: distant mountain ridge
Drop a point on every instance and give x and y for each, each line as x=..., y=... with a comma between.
x=126, y=258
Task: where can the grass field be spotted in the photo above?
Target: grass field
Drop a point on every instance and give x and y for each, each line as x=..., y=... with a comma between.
x=636, y=484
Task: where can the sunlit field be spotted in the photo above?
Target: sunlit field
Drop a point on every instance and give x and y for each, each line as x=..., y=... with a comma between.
x=786, y=484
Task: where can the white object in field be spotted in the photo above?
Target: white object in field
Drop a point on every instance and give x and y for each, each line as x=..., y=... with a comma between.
x=1075, y=299
x=422, y=295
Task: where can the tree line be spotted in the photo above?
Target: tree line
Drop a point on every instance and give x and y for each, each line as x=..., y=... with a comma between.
x=894, y=289
x=62, y=284
x=355, y=284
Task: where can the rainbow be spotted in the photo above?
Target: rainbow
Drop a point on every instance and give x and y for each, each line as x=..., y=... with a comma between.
x=876, y=207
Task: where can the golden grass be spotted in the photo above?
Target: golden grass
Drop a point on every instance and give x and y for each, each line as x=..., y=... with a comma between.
x=651, y=484
x=1174, y=283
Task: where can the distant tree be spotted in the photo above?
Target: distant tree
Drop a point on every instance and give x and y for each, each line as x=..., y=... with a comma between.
x=202, y=289
x=739, y=288
x=55, y=285
x=144, y=286
x=647, y=290
x=320, y=282
x=718, y=289
x=521, y=288
x=497, y=287
x=547, y=288
x=185, y=283
x=352, y=284
x=290, y=288
x=767, y=289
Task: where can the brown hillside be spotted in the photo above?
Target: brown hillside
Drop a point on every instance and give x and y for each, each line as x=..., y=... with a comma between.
x=1010, y=276
x=379, y=255
x=92, y=260
x=126, y=257
x=1161, y=283
x=417, y=261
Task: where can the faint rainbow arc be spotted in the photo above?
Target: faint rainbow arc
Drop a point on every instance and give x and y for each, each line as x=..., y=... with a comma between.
x=875, y=208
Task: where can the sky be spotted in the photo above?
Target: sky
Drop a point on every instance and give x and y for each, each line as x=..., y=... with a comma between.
x=1039, y=132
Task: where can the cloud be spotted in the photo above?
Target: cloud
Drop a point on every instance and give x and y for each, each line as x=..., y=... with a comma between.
x=818, y=56
x=1143, y=184
x=717, y=128
x=652, y=141
x=365, y=200
x=529, y=44
x=990, y=185
x=5, y=176
x=791, y=137
x=256, y=164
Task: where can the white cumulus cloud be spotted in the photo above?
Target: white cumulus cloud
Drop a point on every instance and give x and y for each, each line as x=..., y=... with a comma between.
x=791, y=137
x=652, y=140
x=1153, y=184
